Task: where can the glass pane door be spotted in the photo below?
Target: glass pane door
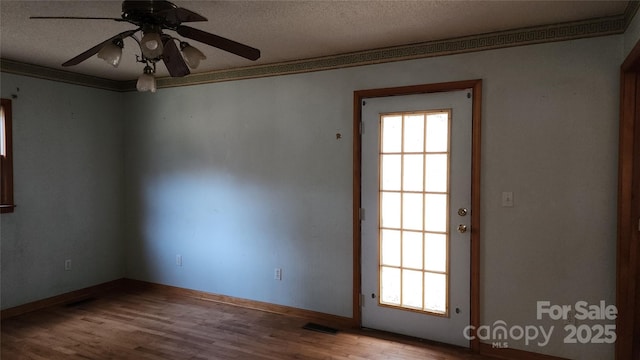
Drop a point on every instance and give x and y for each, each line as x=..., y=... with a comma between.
x=413, y=216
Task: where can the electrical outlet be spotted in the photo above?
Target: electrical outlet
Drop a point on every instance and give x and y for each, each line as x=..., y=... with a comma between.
x=179, y=260
x=67, y=265
x=277, y=274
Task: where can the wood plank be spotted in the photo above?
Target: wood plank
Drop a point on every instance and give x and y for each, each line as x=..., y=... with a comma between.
x=339, y=321
x=62, y=299
x=510, y=354
x=153, y=322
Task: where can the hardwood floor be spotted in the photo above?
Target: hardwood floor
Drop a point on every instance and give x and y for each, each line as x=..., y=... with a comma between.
x=150, y=324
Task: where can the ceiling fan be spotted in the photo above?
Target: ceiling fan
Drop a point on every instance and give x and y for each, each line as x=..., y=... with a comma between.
x=151, y=18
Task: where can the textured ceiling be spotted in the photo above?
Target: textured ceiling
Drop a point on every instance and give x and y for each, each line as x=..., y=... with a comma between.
x=282, y=30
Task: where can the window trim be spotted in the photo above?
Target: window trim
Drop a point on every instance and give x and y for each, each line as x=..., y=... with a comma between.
x=6, y=162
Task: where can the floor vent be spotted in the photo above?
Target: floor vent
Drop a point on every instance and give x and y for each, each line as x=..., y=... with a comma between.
x=320, y=328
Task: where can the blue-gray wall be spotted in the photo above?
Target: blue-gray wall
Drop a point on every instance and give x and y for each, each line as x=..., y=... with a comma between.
x=68, y=185
x=240, y=178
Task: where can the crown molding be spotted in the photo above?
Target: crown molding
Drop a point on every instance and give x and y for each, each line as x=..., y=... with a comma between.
x=605, y=26
x=42, y=72
x=630, y=12
x=503, y=39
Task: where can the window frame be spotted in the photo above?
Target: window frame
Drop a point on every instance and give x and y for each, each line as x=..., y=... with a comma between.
x=6, y=161
x=424, y=152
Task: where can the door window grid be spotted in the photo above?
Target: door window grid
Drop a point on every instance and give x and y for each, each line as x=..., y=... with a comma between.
x=414, y=222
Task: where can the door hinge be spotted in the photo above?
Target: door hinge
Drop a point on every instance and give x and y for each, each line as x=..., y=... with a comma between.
x=361, y=214
x=361, y=127
x=361, y=299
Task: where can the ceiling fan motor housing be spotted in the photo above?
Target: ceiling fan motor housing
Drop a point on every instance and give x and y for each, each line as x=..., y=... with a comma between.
x=142, y=12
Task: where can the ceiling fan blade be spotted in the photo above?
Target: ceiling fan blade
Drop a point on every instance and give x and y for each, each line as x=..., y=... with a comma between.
x=172, y=59
x=219, y=42
x=89, y=53
x=177, y=16
x=74, y=18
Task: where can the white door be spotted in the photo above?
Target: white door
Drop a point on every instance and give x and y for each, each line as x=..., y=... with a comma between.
x=416, y=197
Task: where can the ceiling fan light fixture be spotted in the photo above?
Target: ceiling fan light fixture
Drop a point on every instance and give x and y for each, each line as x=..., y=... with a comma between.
x=146, y=81
x=151, y=45
x=112, y=52
x=151, y=18
x=192, y=56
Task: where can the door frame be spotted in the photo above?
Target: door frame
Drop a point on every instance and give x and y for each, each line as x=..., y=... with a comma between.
x=628, y=242
x=358, y=96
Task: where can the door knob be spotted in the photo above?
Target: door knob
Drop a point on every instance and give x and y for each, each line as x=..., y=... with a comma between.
x=462, y=228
